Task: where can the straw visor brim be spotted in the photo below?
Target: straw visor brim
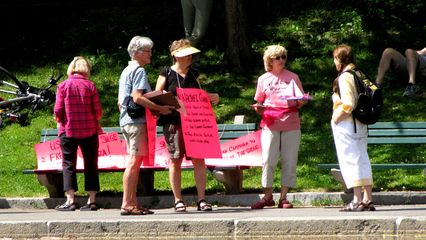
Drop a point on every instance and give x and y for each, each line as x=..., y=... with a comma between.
x=185, y=52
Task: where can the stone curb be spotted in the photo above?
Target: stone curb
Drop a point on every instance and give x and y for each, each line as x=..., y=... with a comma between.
x=371, y=228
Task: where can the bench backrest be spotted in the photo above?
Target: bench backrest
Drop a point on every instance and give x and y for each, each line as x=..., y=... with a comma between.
x=397, y=133
x=226, y=131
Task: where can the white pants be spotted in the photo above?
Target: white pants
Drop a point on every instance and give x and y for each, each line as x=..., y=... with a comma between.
x=351, y=149
x=274, y=144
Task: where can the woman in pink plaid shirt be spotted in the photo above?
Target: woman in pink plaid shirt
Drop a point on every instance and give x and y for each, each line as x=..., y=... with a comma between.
x=78, y=112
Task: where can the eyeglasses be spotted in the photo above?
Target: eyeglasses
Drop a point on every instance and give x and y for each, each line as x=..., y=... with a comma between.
x=283, y=57
x=143, y=50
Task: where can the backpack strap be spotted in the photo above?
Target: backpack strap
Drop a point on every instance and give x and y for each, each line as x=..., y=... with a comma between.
x=354, y=73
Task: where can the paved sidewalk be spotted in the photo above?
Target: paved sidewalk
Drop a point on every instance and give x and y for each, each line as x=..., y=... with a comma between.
x=399, y=215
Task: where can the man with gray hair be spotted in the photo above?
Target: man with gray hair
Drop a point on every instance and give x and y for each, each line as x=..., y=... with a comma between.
x=132, y=86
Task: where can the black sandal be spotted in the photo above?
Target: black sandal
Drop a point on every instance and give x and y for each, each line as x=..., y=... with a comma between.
x=369, y=206
x=90, y=207
x=66, y=207
x=202, y=205
x=180, y=206
x=353, y=207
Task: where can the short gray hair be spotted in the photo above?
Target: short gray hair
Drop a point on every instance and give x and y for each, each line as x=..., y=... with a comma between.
x=137, y=43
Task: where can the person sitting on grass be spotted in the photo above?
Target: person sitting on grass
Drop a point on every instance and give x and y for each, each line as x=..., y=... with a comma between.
x=412, y=65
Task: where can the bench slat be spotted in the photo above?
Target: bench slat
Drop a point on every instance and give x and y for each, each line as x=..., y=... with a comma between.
x=396, y=140
x=226, y=131
x=381, y=166
x=397, y=125
x=397, y=132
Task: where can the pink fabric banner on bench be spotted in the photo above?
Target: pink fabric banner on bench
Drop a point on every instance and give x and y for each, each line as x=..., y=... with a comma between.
x=242, y=151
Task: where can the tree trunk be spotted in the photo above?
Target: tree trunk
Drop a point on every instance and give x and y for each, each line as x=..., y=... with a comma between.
x=237, y=52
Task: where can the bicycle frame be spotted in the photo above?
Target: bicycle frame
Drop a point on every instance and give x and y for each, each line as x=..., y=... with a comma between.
x=25, y=97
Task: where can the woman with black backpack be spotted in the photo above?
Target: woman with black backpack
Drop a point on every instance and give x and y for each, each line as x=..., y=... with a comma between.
x=351, y=146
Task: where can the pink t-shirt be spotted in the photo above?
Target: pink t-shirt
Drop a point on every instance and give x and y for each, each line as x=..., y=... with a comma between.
x=269, y=92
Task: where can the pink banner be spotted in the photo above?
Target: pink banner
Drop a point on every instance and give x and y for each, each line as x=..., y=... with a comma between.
x=112, y=153
x=243, y=151
x=199, y=124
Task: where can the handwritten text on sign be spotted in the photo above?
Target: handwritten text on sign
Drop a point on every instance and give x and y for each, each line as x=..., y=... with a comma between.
x=243, y=151
x=199, y=125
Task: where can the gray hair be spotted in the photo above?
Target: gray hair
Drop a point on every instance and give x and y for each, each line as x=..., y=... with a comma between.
x=138, y=43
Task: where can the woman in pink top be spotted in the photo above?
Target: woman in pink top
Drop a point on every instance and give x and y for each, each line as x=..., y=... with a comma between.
x=78, y=112
x=280, y=124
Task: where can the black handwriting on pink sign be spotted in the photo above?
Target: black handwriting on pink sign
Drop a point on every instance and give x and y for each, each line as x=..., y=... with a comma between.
x=199, y=124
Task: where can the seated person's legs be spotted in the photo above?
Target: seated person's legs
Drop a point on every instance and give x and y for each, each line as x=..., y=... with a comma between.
x=391, y=59
x=415, y=66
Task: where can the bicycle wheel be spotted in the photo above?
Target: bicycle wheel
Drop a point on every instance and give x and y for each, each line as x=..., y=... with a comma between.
x=9, y=84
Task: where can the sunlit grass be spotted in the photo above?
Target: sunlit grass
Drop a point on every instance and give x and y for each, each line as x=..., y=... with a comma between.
x=236, y=93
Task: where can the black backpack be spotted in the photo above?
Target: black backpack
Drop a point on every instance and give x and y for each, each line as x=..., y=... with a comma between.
x=370, y=99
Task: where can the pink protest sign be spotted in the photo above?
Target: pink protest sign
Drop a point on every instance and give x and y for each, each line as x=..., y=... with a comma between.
x=199, y=124
x=243, y=151
x=151, y=126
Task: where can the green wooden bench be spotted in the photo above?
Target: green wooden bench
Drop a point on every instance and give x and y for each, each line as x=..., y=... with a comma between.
x=389, y=133
x=230, y=176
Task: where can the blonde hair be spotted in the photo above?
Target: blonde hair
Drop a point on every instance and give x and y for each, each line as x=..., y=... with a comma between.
x=179, y=44
x=272, y=52
x=79, y=65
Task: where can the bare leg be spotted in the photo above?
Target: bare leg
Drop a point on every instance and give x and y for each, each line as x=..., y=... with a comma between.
x=175, y=178
x=200, y=177
x=412, y=59
x=368, y=196
x=284, y=191
x=130, y=181
x=389, y=55
x=70, y=196
x=357, y=194
x=92, y=197
x=268, y=193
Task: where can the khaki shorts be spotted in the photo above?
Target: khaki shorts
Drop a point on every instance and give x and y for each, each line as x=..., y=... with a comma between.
x=136, y=139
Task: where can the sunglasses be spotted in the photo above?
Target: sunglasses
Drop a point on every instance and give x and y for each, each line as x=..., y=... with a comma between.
x=283, y=57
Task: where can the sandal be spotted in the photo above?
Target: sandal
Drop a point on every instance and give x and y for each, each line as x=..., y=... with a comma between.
x=145, y=210
x=263, y=203
x=284, y=203
x=90, y=207
x=131, y=211
x=353, y=207
x=369, y=206
x=202, y=205
x=180, y=206
x=66, y=207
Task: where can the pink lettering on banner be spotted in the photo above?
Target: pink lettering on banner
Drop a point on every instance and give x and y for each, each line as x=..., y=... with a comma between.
x=199, y=124
x=111, y=137
x=49, y=155
x=243, y=151
x=112, y=153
